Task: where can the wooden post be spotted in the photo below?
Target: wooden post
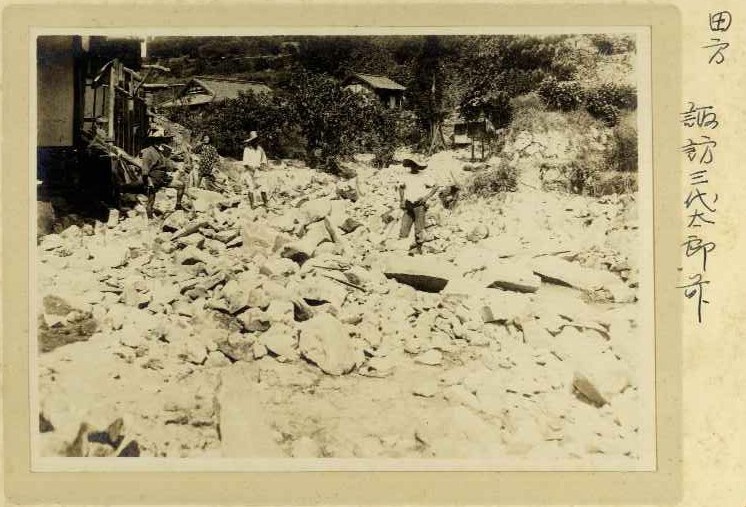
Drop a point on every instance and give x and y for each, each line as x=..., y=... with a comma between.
x=484, y=134
x=94, y=91
x=472, y=147
x=112, y=95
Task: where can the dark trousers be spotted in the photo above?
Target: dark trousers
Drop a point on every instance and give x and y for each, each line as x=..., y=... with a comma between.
x=160, y=181
x=413, y=215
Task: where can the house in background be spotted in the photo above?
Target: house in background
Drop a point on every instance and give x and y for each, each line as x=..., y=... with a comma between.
x=202, y=91
x=390, y=93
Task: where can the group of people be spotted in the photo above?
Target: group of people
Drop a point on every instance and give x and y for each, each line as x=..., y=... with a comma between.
x=160, y=170
x=415, y=189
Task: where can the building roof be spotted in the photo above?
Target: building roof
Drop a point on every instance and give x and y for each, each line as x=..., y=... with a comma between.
x=203, y=90
x=377, y=82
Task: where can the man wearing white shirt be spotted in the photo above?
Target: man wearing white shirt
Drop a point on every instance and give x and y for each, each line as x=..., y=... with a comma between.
x=415, y=189
x=254, y=159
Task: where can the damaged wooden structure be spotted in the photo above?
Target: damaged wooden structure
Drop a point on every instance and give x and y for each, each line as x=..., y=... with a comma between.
x=462, y=132
x=92, y=115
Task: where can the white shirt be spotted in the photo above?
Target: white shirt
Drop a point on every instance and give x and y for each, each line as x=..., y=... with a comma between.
x=416, y=186
x=254, y=157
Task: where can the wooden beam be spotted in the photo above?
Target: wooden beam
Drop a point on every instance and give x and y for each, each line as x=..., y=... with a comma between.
x=112, y=150
x=156, y=67
x=111, y=91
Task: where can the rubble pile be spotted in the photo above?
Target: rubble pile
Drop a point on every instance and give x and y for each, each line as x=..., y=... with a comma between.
x=308, y=330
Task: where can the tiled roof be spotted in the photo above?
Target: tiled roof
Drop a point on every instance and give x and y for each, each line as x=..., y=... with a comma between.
x=203, y=90
x=378, y=82
x=226, y=88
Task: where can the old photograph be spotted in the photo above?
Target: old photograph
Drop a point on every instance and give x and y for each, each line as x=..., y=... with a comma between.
x=396, y=249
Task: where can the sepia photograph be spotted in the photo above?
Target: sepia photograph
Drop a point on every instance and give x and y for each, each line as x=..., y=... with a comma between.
x=397, y=250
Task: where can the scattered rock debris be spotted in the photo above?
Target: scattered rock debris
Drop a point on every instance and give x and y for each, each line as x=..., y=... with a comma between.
x=308, y=330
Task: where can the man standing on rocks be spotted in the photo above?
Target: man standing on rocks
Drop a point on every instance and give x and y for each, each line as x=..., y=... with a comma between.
x=254, y=160
x=156, y=169
x=415, y=189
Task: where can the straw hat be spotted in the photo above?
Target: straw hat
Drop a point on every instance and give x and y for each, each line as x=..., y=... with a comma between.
x=252, y=137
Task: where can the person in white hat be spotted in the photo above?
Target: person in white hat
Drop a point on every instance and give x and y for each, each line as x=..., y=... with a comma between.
x=415, y=189
x=254, y=159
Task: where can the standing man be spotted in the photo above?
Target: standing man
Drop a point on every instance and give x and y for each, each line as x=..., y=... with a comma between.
x=156, y=169
x=415, y=189
x=208, y=160
x=254, y=159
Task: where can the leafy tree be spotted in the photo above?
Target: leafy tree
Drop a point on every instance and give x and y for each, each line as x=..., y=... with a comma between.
x=494, y=69
x=337, y=122
x=229, y=122
x=426, y=89
x=562, y=95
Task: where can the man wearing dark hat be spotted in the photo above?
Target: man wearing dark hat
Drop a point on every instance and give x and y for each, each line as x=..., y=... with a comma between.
x=156, y=169
x=415, y=189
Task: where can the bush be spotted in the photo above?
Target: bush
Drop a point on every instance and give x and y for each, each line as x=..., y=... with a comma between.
x=612, y=44
x=561, y=95
x=383, y=136
x=607, y=100
x=326, y=115
x=495, y=106
x=623, y=149
x=597, y=172
x=494, y=180
x=317, y=120
x=229, y=122
x=528, y=101
x=607, y=113
x=337, y=122
x=613, y=182
x=382, y=131
x=407, y=130
x=583, y=170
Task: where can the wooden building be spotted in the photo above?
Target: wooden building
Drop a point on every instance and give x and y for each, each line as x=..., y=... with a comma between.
x=389, y=92
x=74, y=83
x=91, y=111
x=203, y=91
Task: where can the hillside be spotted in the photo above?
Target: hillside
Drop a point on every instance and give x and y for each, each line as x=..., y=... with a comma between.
x=594, y=59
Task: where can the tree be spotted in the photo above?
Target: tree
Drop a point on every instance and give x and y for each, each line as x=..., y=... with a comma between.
x=426, y=91
x=229, y=122
x=335, y=122
x=492, y=70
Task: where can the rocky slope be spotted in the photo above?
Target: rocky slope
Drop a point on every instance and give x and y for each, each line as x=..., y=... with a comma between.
x=307, y=330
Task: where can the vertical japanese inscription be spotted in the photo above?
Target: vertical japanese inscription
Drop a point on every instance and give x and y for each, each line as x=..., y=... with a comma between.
x=719, y=24
x=700, y=202
x=700, y=122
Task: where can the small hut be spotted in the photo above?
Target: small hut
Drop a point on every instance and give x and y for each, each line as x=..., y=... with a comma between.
x=389, y=92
